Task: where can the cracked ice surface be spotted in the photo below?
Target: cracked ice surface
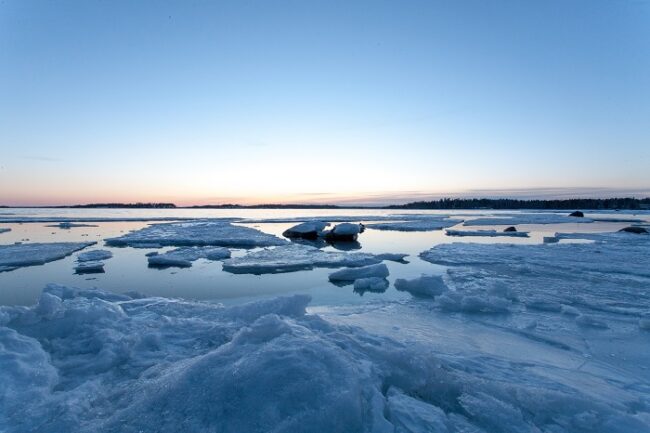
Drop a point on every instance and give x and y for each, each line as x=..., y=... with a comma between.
x=197, y=233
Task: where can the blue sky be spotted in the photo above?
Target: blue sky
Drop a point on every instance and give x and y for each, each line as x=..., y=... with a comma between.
x=308, y=101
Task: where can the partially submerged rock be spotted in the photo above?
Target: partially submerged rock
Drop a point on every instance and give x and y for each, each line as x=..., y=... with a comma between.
x=510, y=229
x=577, y=214
x=306, y=230
x=634, y=229
x=344, y=232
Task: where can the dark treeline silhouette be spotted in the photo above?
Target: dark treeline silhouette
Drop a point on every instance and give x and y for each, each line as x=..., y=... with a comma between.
x=507, y=203
x=125, y=205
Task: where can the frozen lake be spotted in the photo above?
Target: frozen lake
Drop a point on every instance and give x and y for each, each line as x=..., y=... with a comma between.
x=490, y=331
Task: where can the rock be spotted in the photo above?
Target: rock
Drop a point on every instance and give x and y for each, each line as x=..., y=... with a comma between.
x=510, y=229
x=344, y=232
x=634, y=229
x=577, y=214
x=306, y=230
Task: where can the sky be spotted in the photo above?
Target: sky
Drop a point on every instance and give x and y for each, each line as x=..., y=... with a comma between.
x=209, y=102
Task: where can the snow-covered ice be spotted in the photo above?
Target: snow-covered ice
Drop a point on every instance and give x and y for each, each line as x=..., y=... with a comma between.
x=351, y=274
x=294, y=257
x=92, y=255
x=489, y=233
x=197, y=233
x=183, y=257
x=419, y=225
x=29, y=254
x=89, y=267
x=425, y=286
x=88, y=361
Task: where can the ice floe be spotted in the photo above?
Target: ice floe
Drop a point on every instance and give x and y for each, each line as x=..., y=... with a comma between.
x=94, y=255
x=183, y=257
x=525, y=218
x=90, y=262
x=489, y=233
x=419, y=225
x=70, y=225
x=425, y=286
x=197, y=233
x=29, y=254
x=370, y=284
x=351, y=274
x=88, y=361
x=294, y=257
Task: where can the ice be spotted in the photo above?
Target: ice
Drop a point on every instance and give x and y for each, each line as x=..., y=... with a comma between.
x=89, y=361
x=94, y=255
x=69, y=225
x=307, y=230
x=294, y=257
x=370, y=284
x=183, y=257
x=526, y=218
x=352, y=274
x=29, y=254
x=425, y=286
x=489, y=233
x=197, y=233
x=419, y=225
x=89, y=267
x=4, y=230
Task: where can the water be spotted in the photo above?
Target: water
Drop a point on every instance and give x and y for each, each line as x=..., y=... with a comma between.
x=128, y=269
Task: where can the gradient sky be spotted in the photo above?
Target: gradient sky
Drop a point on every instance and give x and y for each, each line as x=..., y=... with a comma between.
x=309, y=101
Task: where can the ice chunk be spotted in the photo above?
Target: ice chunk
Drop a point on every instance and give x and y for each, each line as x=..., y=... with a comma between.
x=69, y=225
x=370, y=284
x=29, y=254
x=425, y=286
x=89, y=267
x=421, y=225
x=489, y=233
x=392, y=257
x=183, y=257
x=306, y=230
x=197, y=233
x=526, y=218
x=351, y=274
x=294, y=257
x=94, y=255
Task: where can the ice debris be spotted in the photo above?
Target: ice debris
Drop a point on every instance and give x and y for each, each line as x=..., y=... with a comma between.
x=352, y=274
x=29, y=254
x=183, y=257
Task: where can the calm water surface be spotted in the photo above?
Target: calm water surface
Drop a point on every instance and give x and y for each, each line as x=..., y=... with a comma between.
x=128, y=269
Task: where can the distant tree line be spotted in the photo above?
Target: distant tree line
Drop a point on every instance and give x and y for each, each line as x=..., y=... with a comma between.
x=126, y=205
x=507, y=203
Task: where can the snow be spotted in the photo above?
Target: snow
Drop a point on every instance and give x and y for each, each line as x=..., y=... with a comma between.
x=87, y=361
x=294, y=257
x=29, y=254
x=4, y=230
x=489, y=233
x=352, y=274
x=526, y=218
x=419, y=225
x=183, y=257
x=197, y=233
x=425, y=286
